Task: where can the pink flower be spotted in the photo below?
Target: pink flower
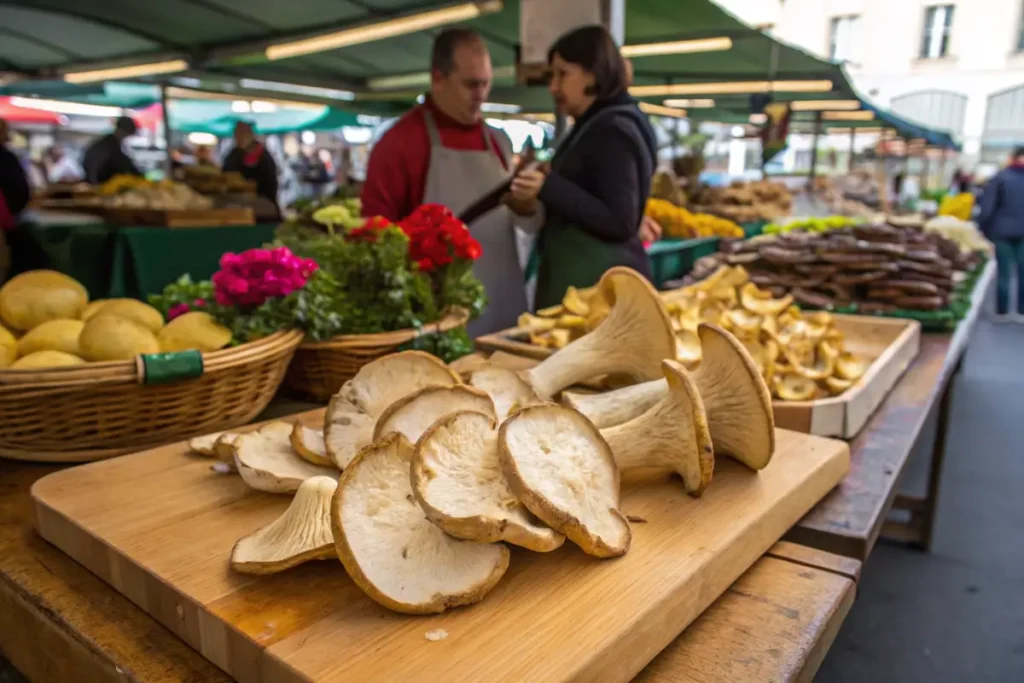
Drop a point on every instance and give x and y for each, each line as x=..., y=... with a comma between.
x=174, y=311
x=252, y=277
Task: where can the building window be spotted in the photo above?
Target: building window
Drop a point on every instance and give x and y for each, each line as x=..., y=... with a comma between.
x=938, y=28
x=842, y=36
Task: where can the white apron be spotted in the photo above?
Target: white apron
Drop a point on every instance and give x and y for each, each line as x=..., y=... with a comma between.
x=457, y=178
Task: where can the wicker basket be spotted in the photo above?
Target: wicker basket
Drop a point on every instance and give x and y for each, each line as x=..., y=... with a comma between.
x=320, y=368
x=99, y=410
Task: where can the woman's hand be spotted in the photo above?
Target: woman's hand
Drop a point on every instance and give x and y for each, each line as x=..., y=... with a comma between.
x=650, y=230
x=526, y=185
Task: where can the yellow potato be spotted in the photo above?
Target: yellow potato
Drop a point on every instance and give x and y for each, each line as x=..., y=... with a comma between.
x=108, y=337
x=46, y=359
x=38, y=296
x=55, y=335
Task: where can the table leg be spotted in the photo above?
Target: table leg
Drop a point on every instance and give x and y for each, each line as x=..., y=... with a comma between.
x=917, y=531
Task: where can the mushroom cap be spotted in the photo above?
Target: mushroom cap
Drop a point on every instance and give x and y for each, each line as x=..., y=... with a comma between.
x=672, y=434
x=851, y=367
x=411, y=415
x=563, y=471
x=267, y=462
x=737, y=401
x=615, y=407
x=761, y=302
x=309, y=445
x=633, y=340
x=389, y=547
x=353, y=411
x=793, y=387
x=224, y=449
x=301, y=534
x=204, y=445
x=457, y=479
x=837, y=386
x=507, y=389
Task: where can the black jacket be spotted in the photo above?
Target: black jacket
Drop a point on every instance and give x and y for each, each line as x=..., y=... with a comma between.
x=13, y=183
x=105, y=159
x=263, y=171
x=601, y=181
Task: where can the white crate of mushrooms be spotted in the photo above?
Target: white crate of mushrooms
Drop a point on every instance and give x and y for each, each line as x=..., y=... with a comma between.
x=418, y=480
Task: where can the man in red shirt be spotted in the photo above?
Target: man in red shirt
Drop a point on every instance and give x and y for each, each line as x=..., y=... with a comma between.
x=443, y=152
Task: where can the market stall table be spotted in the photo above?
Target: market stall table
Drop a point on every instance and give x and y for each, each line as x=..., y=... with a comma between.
x=850, y=519
x=59, y=622
x=121, y=261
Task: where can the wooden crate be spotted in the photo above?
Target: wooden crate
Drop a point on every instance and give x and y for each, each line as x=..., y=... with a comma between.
x=159, y=527
x=181, y=218
x=890, y=343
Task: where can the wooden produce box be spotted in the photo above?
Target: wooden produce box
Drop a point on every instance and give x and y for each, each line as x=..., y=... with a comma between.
x=890, y=343
x=159, y=527
x=181, y=218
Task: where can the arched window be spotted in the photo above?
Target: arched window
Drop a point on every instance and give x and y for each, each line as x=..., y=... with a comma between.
x=1004, y=124
x=939, y=109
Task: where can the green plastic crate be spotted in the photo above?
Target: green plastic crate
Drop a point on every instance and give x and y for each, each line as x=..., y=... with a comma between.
x=671, y=258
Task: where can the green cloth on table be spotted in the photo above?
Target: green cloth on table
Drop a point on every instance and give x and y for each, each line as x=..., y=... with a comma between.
x=152, y=258
x=112, y=261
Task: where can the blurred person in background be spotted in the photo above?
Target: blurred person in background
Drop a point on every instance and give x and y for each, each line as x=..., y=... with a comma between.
x=1001, y=219
x=252, y=159
x=443, y=152
x=600, y=177
x=60, y=167
x=106, y=158
x=14, y=189
x=203, y=155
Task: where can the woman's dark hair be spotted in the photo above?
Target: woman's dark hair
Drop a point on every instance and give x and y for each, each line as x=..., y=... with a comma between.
x=594, y=49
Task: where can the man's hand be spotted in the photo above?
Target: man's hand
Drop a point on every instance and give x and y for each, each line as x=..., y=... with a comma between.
x=519, y=207
x=649, y=231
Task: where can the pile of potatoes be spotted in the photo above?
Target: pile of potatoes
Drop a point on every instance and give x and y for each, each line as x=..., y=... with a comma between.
x=47, y=321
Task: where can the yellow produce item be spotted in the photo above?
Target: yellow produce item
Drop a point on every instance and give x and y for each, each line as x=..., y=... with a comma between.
x=132, y=309
x=679, y=223
x=959, y=206
x=8, y=348
x=46, y=359
x=93, y=306
x=193, y=330
x=38, y=296
x=55, y=335
x=108, y=337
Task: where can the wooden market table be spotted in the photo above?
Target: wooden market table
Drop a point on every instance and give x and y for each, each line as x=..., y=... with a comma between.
x=850, y=520
x=59, y=623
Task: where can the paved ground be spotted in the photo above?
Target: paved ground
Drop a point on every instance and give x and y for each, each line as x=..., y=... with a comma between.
x=956, y=615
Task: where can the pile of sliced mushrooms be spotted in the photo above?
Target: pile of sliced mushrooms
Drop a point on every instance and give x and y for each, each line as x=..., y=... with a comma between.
x=800, y=355
x=421, y=476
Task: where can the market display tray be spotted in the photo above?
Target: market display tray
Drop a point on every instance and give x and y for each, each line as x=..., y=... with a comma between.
x=891, y=344
x=181, y=218
x=159, y=526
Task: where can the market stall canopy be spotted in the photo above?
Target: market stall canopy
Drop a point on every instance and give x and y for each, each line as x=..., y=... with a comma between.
x=12, y=113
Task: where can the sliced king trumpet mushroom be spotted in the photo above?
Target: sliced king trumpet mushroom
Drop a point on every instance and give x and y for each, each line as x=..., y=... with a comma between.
x=672, y=434
x=392, y=551
x=411, y=415
x=309, y=445
x=353, y=411
x=457, y=479
x=267, y=462
x=850, y=367
x=791, y=386
x=761, y=301
x=507, y=389
x=632, y=340
x=736, y=400
x=559, y=466
x=301, y=534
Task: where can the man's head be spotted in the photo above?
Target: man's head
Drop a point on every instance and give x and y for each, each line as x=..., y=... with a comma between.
x=1018, y=154
x=460, y=74
x=125, y=127
x=244, y=135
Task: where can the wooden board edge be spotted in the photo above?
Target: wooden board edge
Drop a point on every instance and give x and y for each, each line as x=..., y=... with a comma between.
x=819, y=559
x=824, y=642
x=741, y=554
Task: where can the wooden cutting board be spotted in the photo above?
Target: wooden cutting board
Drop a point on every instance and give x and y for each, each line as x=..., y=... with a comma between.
x=159, y=527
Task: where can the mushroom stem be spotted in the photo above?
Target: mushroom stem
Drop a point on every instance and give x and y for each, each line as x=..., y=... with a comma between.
x=672, y=434
x=633, y=339
x=735, y=398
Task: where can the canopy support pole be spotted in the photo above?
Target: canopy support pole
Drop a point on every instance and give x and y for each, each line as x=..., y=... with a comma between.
x=814, y=150
x=166, y=112
x=924, y=169
x=849, y=163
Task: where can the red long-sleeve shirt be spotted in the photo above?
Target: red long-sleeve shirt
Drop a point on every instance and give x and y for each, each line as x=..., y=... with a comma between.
x=396, y=174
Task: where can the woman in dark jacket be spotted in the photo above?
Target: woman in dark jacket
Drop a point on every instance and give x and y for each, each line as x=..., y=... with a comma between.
x=600, y=176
